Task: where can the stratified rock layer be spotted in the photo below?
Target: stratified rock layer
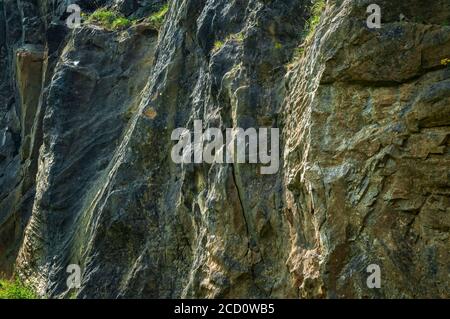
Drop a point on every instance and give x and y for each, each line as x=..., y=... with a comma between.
x=85, y=140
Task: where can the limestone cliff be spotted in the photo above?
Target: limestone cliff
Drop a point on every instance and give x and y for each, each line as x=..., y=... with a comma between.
x=86, y=175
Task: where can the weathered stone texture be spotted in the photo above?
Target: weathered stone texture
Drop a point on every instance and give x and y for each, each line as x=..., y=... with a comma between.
x=86, y=175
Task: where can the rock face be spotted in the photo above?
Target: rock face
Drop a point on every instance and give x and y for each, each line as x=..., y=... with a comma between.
x=87, y=178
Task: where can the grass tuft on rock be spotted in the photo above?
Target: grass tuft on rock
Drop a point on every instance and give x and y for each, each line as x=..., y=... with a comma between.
x=235, y=37
x=109, y=19
x=15, y=289
x=316, y=12
x=157, y=18
x=218, y=45
x=121, y=23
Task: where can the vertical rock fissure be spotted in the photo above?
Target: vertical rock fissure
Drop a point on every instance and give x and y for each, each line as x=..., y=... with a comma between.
x=239, y=193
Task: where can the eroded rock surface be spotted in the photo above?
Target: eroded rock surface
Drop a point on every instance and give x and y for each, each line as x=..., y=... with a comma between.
x=85, y=140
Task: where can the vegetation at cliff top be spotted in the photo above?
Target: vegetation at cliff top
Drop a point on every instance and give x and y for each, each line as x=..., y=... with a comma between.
x=14, y=289
x=316, y=12
x=109, y=19
x=157, y=18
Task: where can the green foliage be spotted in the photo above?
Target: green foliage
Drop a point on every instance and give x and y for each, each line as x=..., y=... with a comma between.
x=121, y=23
x=316, y=12
x=72, y=295
x=445, y=62
x=237, y=37
x=157, y=18
x=14, y=289
x=278, y=45
x=218, y=45
x=103, y=16
x=109, y=19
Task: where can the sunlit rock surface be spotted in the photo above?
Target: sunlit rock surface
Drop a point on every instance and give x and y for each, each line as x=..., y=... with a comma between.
x=86, y=177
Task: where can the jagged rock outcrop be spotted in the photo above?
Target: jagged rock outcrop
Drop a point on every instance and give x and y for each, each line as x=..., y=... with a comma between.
x=85, y=140
x=368, y=170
